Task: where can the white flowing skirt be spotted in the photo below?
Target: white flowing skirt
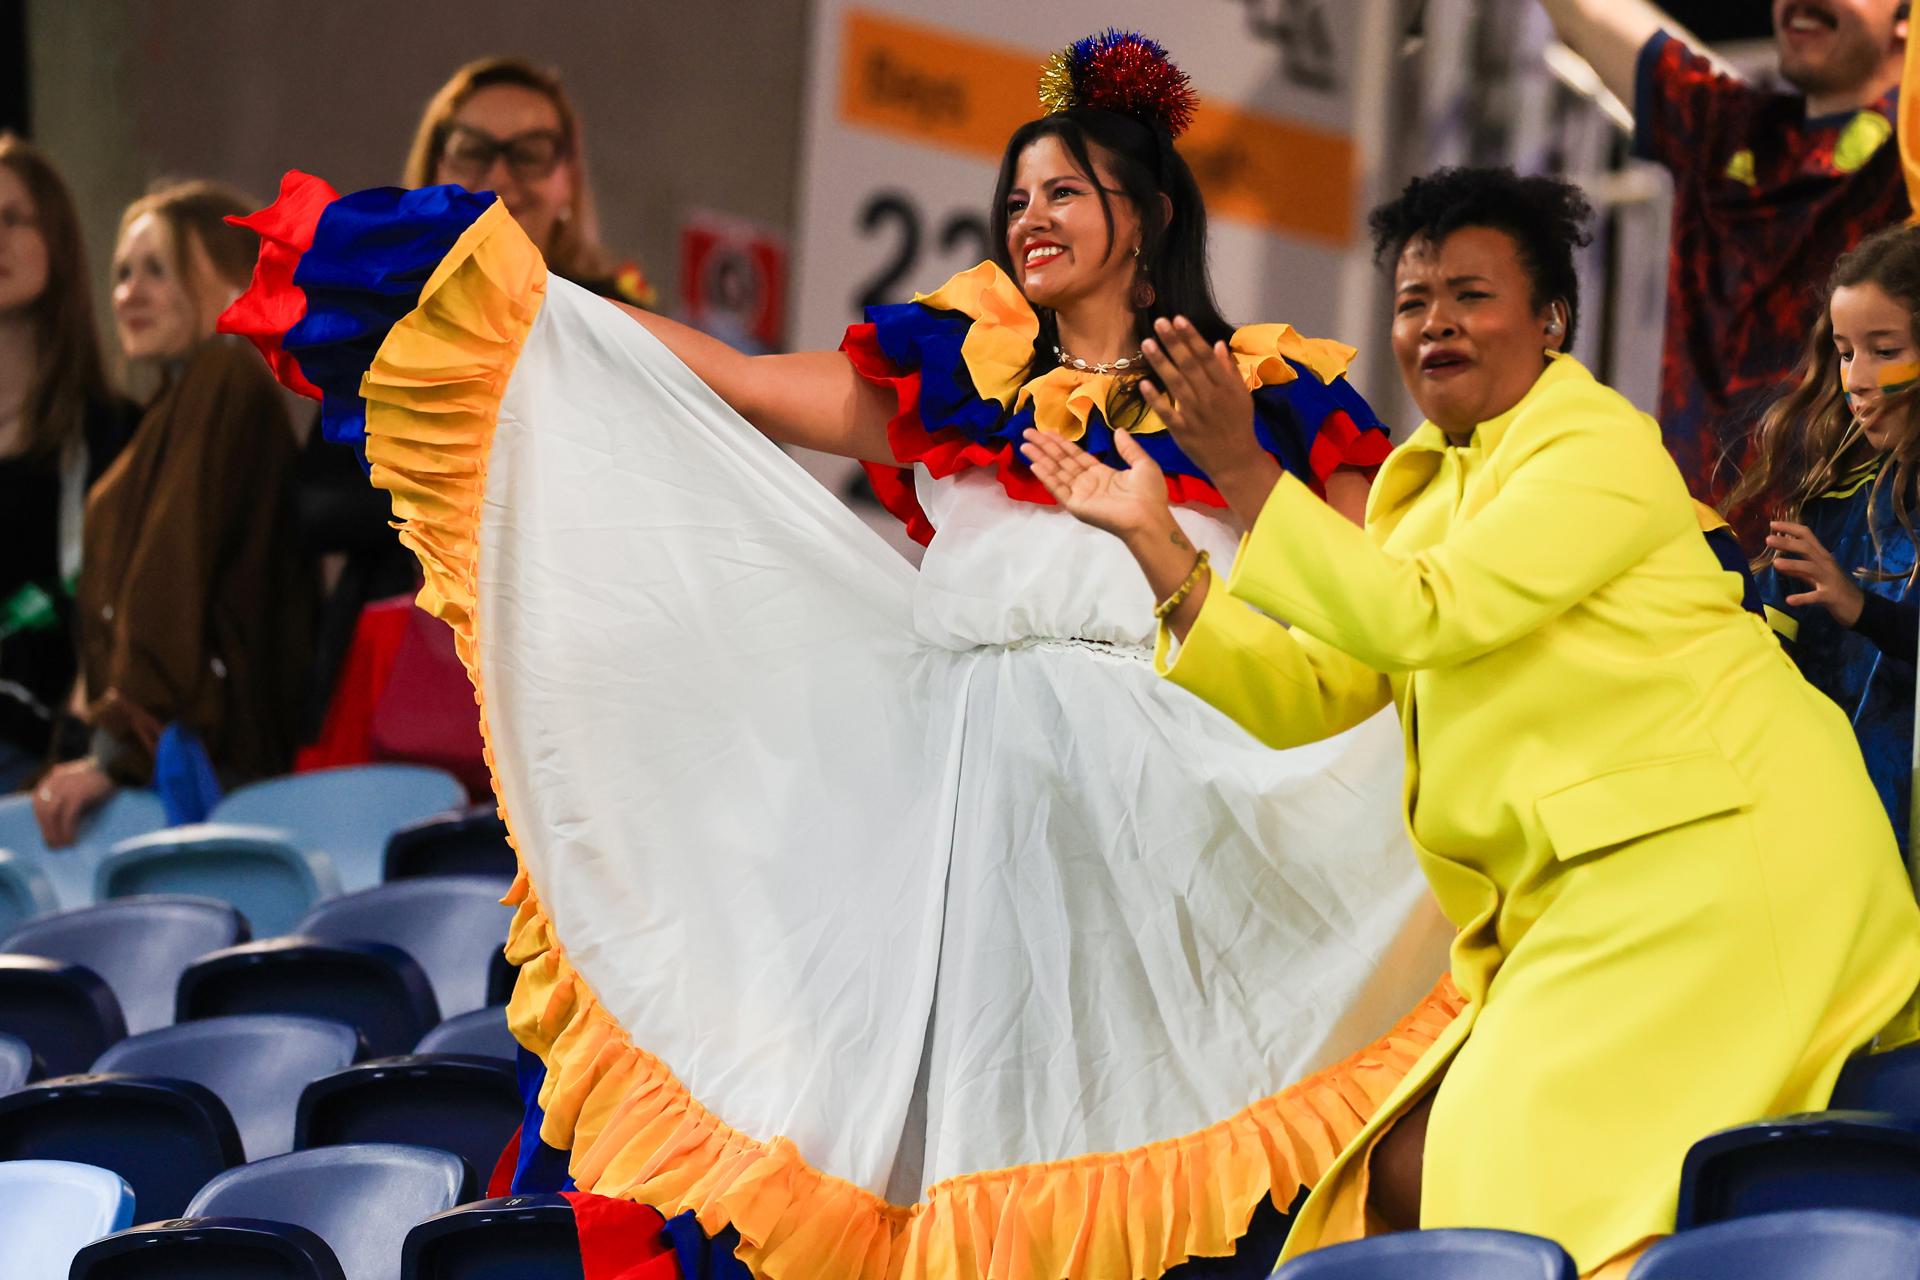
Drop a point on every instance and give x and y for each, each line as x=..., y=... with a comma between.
x=922, y=910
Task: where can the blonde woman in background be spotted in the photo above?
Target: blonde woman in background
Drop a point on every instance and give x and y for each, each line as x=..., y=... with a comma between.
x=194, y=607
x=506, y=125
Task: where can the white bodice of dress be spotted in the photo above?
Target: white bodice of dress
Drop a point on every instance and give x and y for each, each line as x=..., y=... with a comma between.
x=1000, y=571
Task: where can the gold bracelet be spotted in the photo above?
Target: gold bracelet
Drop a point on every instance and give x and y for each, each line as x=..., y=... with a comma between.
x=1180, y=593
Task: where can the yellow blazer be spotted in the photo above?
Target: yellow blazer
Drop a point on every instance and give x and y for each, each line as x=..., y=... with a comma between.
x=1679, y=906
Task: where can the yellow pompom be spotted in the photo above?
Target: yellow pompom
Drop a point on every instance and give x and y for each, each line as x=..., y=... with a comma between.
x=1056, y=83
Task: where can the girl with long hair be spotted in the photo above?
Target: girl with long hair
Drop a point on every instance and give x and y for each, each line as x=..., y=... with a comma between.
x=194, y=605
x=898, y=919
x=60, y=425
x=1834, y=473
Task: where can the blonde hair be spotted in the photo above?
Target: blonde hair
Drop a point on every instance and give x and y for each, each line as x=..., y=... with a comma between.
x=574, y=250
x=195, y=213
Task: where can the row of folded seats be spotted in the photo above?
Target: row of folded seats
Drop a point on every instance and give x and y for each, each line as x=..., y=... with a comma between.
x=275, y=848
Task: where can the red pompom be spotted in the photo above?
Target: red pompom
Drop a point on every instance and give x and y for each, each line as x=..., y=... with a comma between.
x=1133, y=76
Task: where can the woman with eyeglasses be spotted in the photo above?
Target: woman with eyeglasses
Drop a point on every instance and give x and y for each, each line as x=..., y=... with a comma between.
x=506, y=125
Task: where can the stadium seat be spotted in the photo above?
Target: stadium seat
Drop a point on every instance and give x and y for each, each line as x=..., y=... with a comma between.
x=138, y=946
x=165, y=1137
x=337, y=1213
x=127, y=813
x=480, y=1034
x=255, y=1063
x=16, y=1063
x=257, y=869
x=508, y=1238
x=1881, y=1082
x=1807, y=1244
x=375, y=988
x=50, y=1208
x=25, y=890
x=1822, y=1160
x=471, y=842
x=1453, y=1254
x=66, y=1013
x=346, y=813
x=469, y=1106
x=453, y=927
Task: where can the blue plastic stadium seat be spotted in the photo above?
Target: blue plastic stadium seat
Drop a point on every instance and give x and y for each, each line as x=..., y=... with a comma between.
x=508, y=1238
x=165, y=1137
x=25, y=890
x=1808, y=1244
x=125, y=814
x=471, y=842
x=1453, y=1254
x=50, y=1208
x=256, y=1064
x=257, y=869
x=469, y=1106
x=16, y=1063
x=1822, y=1160
x=337, y=1213
x=66, y=1013
x=452, y=926
x=480, y=1034
x=376, y=989
x=348, y=814
x=138, y=946
x=1881, y=1082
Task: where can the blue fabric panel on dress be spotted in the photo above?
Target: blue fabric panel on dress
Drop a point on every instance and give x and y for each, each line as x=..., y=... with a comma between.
x=372, y=253
x=540, y=1169
x=914, y=336
x=702, y=1257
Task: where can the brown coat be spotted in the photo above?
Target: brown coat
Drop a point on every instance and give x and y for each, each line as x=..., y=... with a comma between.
x=194, y=603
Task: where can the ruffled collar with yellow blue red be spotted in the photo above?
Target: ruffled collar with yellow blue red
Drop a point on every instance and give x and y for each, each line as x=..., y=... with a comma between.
x=955, y=359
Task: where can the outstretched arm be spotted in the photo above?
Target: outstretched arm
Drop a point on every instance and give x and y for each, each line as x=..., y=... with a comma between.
x=1609, y=34
x=812, y=399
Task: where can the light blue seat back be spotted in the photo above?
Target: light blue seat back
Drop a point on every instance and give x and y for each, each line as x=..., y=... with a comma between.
x=482, y=1033
x=49, y=1209
x=361, y=1199
x=255, y=1063
x=16, y=1062
x=127, y=813
x=348, y=813
x=138, y=946
x=257, y=869
x=1800, y=1244
x=26, y=892
x=452, y=926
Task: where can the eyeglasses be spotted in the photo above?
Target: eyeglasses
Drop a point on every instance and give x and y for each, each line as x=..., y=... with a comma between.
x=469, y=153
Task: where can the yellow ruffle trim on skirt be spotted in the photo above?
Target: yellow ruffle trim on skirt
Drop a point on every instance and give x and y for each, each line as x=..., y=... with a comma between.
x=433, y=394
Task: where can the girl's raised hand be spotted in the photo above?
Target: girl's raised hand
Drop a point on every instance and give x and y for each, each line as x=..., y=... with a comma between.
x=1126, y=503
x=1799, y=554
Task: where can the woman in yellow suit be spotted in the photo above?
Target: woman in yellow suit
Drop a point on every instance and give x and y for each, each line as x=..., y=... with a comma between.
x=1679, y=903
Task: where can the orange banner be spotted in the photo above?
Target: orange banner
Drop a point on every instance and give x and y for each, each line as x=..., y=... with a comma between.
x=939, y=87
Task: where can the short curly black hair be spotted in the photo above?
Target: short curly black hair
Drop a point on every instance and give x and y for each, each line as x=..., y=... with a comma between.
x=1546, y=217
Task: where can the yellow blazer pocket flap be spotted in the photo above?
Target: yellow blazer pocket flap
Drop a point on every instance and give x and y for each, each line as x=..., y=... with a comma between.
x=1640, y=800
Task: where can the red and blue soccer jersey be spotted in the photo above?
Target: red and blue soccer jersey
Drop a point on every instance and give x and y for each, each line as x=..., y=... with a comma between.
x=1765, y=200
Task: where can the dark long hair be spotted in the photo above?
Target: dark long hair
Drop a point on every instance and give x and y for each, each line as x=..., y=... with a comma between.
x=70, y=372
x=1173, y=242
x=1805, y=437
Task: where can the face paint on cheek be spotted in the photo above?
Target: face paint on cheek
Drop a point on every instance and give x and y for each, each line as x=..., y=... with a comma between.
x=1896, y=378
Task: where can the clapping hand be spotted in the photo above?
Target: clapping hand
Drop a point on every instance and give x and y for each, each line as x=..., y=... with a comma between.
x=1799, y=554
x=1126, y=502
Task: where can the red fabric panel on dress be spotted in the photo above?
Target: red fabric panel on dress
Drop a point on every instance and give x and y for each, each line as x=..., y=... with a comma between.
x=620, y=1240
